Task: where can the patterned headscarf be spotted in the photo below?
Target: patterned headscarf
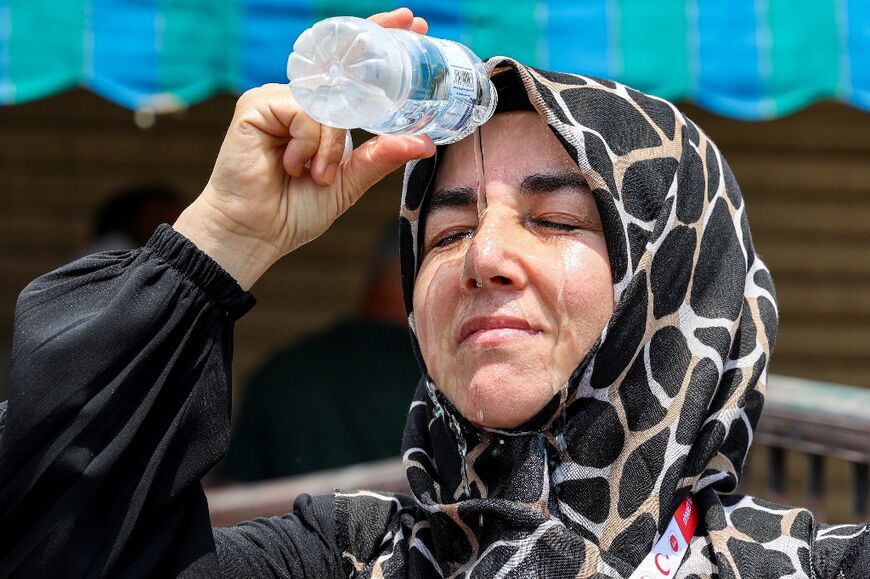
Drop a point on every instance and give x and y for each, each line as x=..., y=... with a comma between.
x=664, y=404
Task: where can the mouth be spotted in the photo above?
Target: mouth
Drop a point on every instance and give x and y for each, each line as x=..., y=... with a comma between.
x=491, y=330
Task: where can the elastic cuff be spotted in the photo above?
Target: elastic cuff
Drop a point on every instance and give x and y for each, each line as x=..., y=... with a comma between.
x=180, y=253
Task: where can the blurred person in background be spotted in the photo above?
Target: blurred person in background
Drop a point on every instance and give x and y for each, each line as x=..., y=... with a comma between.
x=129, y=216
x=365, y=358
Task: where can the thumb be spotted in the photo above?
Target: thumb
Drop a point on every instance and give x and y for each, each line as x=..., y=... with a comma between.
x=377, y=158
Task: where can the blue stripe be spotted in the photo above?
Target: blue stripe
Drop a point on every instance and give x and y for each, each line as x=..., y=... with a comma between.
x=577, y=34
x=123, y=62
x=729, y=79
x=858, y=22
x=270, y=28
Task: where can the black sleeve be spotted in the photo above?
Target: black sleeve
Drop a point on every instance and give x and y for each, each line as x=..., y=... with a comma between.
x=119, y=403
x=301, y=544
x=841, y=551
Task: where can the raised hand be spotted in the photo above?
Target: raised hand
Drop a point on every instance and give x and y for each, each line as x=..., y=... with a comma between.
x=261, y=202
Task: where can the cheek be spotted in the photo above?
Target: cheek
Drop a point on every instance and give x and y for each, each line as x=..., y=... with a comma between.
x=422, y=307
x=586, y=293
x=435, y=297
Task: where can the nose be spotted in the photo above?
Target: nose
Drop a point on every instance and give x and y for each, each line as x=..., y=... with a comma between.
x=494, y=259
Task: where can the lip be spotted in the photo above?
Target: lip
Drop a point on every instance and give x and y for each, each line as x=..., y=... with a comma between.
x=494, y=329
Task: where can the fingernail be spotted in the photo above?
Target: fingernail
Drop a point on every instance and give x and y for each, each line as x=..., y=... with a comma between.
x=329, y=173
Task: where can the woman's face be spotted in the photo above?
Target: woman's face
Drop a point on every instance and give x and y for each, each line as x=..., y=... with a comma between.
x=512, y=293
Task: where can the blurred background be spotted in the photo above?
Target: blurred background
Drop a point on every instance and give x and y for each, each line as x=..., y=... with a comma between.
x=104, y=98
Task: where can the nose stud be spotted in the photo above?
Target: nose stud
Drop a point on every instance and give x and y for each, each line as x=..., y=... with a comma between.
x=478, y=283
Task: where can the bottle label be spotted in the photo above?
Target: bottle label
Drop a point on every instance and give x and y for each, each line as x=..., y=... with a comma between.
x=462, y=95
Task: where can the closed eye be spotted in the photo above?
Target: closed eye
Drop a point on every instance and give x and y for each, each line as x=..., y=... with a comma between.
x=450, y=238
x=555, y=225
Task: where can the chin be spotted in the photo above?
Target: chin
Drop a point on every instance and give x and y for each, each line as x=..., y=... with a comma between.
x=502, y=398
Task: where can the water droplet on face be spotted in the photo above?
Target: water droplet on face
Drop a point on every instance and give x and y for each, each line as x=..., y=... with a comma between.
x=481, y=178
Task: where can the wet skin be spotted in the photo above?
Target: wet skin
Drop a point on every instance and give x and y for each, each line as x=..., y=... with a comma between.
x=509, y=299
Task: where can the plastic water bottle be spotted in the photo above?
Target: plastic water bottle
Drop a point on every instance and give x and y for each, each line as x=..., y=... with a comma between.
x=348, y=73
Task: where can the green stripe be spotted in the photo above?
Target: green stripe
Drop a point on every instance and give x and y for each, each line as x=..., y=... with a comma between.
x=198, y=48
x=511, y=29
x=804, y=52
x=653, y=46
x=233, y=73
x=362, y=8
x=45, y=47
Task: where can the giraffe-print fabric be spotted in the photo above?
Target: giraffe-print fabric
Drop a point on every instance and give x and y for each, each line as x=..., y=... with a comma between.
x=665, y=404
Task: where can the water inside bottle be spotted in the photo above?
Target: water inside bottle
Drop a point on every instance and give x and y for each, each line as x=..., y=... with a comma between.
x=349, y=73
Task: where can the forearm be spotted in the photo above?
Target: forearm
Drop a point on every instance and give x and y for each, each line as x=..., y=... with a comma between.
x=240, y=252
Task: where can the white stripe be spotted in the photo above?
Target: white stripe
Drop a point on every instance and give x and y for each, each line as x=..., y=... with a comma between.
x=844, y=80
x=766, y=106
x=87, y=72
x=693, y=41
x=614, y=54
x=525, y=547
x=828, y=533
x=542, y=20
x=421, y=546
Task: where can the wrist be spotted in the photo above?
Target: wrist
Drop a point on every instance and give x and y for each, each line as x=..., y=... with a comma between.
x=241, y=255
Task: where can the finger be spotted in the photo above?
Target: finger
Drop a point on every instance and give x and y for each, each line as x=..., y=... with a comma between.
x=269, y=108
x=420, y=26
x=304, y=142
x=324, y=165
x=398, y=18
x=377, y=158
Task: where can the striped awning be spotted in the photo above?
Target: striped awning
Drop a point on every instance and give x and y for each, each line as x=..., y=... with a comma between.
x=750, y=59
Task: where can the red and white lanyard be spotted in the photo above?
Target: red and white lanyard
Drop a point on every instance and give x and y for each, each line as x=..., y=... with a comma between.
x=668, y=552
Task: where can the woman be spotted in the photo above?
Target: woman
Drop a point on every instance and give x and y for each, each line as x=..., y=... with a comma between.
x=593, y=320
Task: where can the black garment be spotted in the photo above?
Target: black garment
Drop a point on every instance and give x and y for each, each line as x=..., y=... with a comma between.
x=366, y=361
x=120, y=402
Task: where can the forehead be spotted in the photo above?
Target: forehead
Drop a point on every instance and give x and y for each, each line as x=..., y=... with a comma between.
x=515, y=144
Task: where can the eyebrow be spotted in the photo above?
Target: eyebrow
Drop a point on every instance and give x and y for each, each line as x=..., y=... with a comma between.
x=549, y=181
x=451, y=197
x=536, y=183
